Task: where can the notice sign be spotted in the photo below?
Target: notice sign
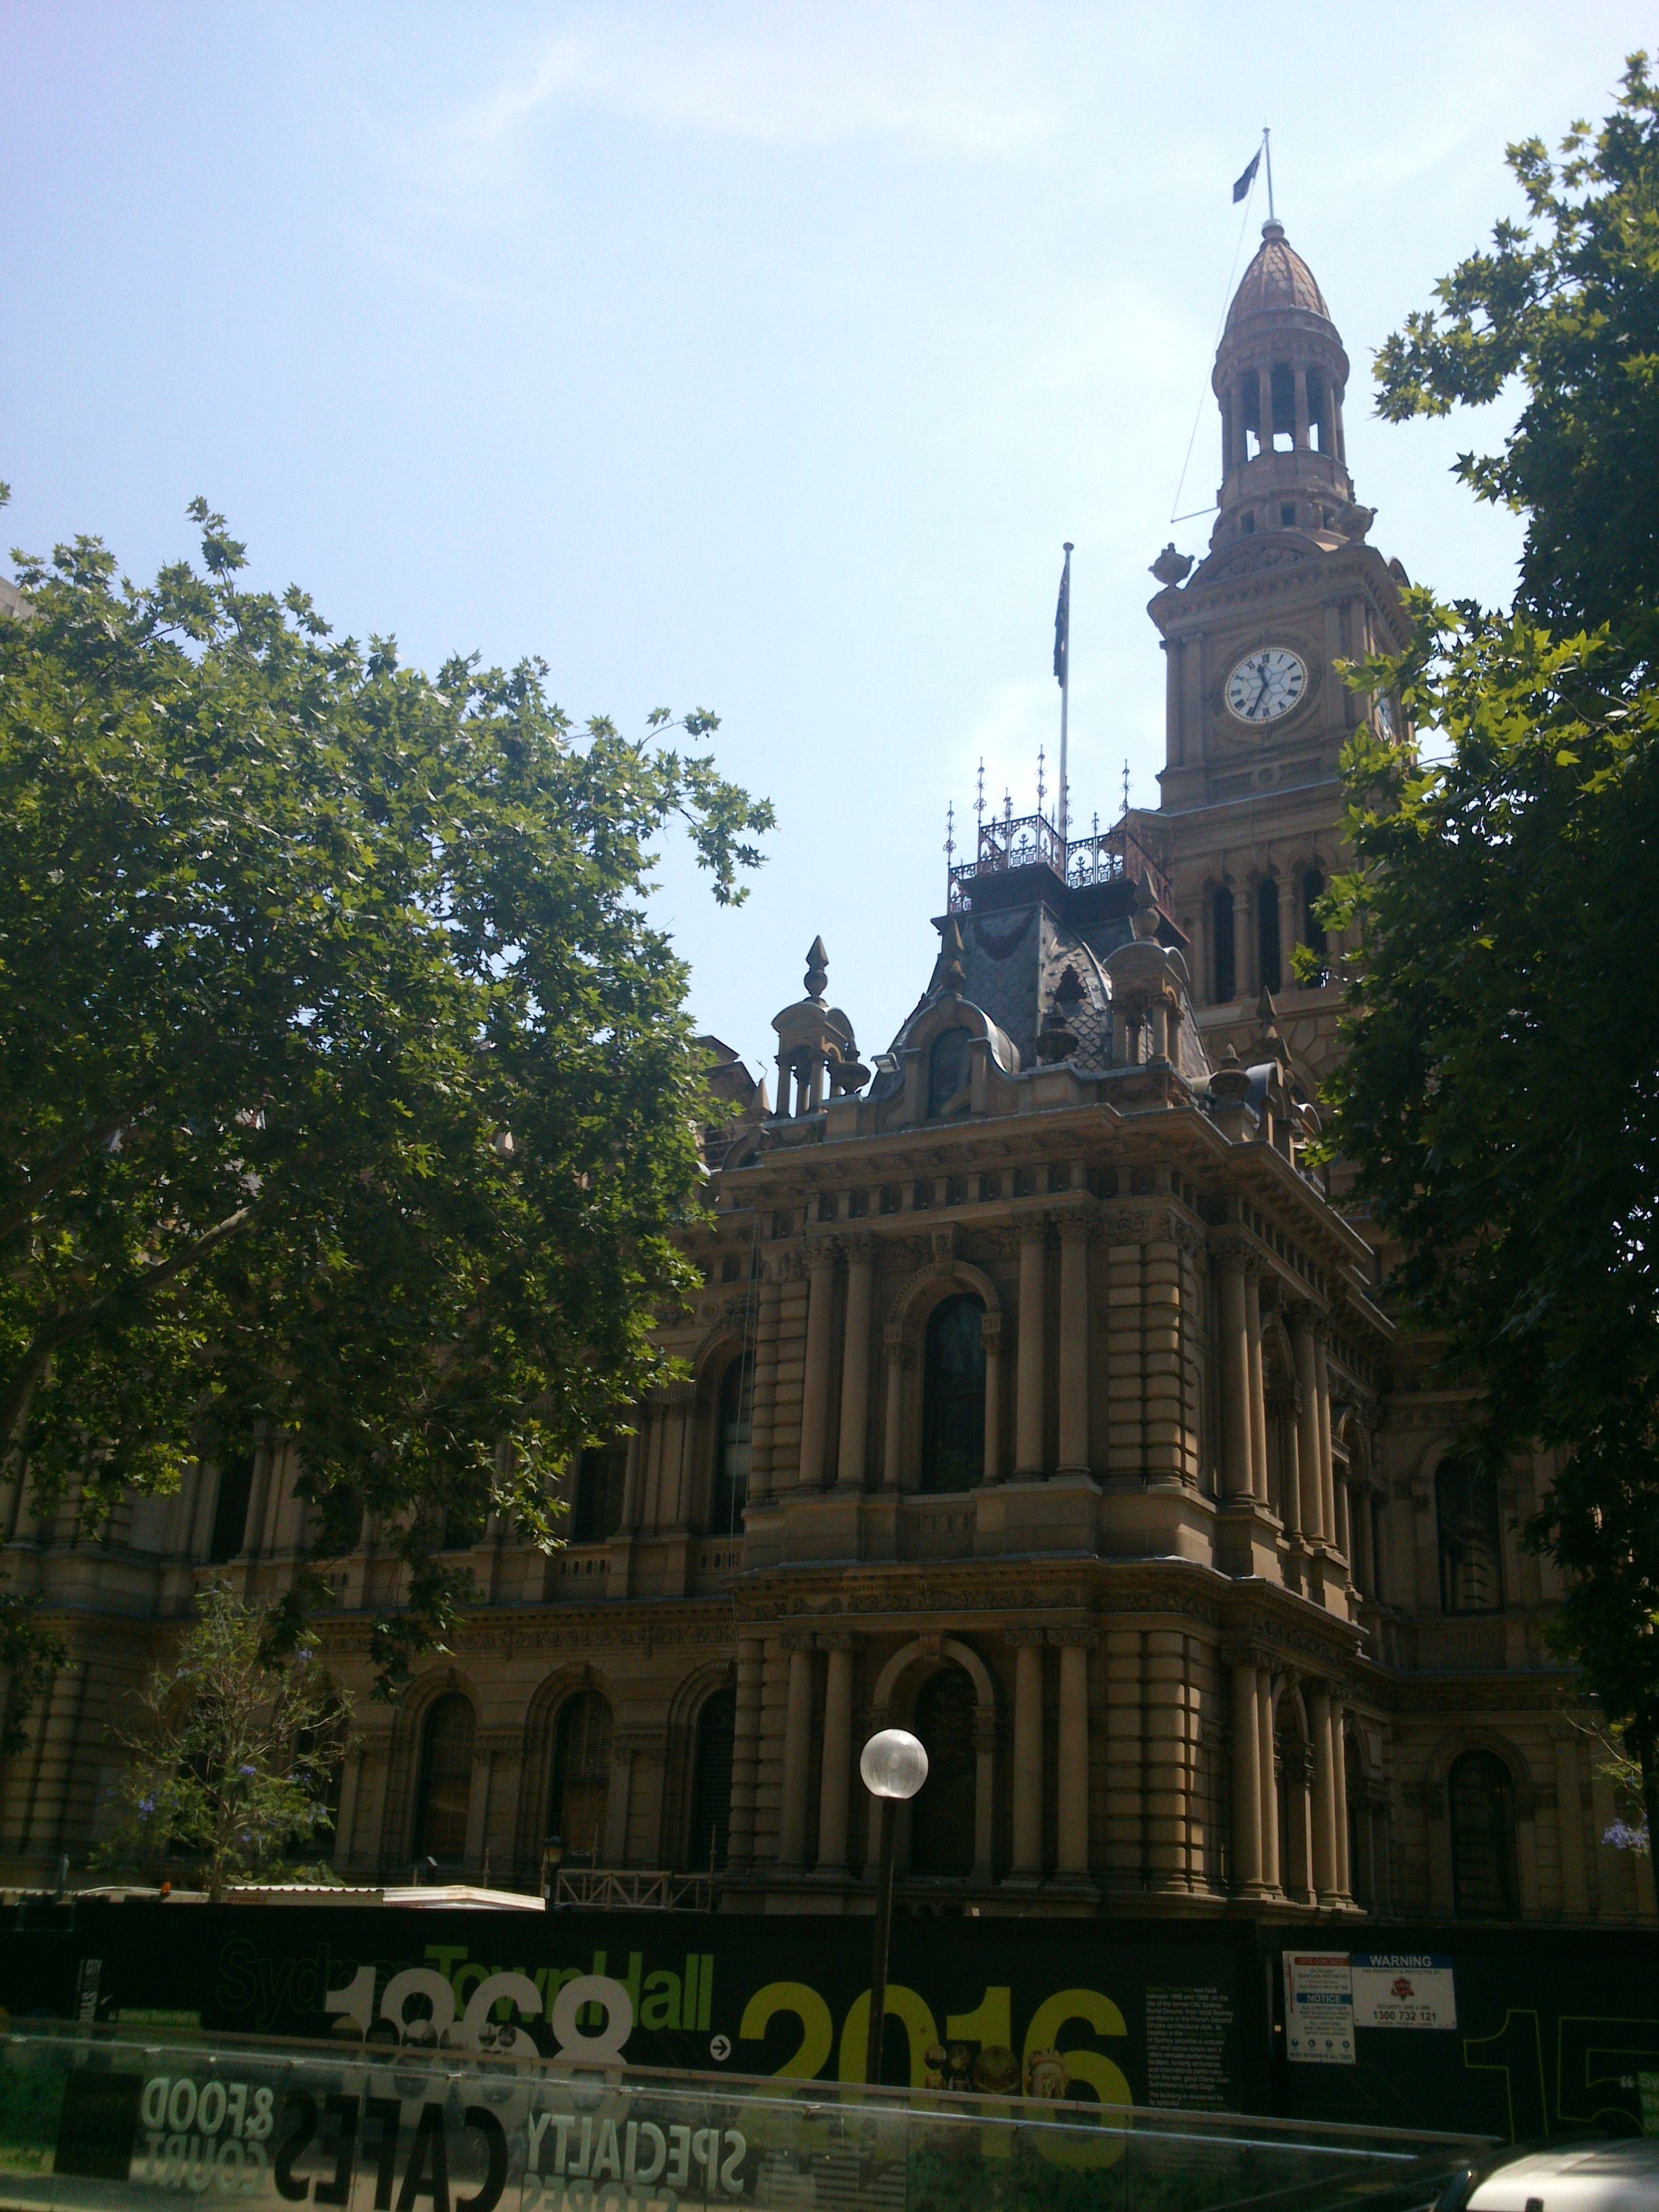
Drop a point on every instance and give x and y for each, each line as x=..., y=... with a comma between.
x=1403, y=1989
x=1318, y=2008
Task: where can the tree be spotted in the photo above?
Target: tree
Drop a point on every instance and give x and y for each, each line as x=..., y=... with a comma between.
x=1568, y=307
x=345, y=1085
x=1499, y=1097
x=236, y=1757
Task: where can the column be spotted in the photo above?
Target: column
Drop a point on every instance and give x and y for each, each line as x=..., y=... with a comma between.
x=1235, y=1379
x=1326, y=1812
x=1264, y=383
x=745, y=1754
x=1304, y=1347
x=985, y=1803
x=892, y=1455
x=1268, y=1785
x=797, y=1750
x=1125, y=1722
x=1074, y=1345
x=1167, y=1779
x=634, y=1472
x=1326, y=1460
x=991, y=1332
x=836, y=1771
x=855, y=1363
x=766, y=1388
x=815, y=1394
x=1340, y=1803
x=617, y=1804
x=1028, y=1750
x=1253, y=1371
x=1028, y=1401
x=1072, y=1770
x=1570, y=1819
x=477, y=1808
x=1301, y=433
x=345, y=1819
x=1246, y=1776
x=676, y=1505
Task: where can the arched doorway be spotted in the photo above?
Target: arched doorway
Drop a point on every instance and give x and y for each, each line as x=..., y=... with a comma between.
x=1480, y=1794
x=942, y=1814
x=445, y=1779
x=582, y=1775
x=711, y=1780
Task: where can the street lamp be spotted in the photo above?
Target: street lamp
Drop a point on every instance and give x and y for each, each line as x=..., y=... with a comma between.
x=552, y=1860
x=894, y=1767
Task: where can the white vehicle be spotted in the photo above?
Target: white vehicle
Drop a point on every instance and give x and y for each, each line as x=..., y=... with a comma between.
x=1617, y=2176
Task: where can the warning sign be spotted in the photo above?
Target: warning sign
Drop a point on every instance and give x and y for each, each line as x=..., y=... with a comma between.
x=1318, y=2008
x=1403, y=1989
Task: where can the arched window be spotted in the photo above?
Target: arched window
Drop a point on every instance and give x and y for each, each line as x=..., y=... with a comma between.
x=1313, y=930
x=947, y=1073
x=446, y=1780
x=1482, y=1802
x=942, y=1813
x=230, y=1509
x=953, y=1396
x=596, y=1509
x=1223, y=965
x=1471, y=1538
x=581, y=1774
x=1267, y=933
x=733, y=1423
x=1293, y=1776
x=711, y=1780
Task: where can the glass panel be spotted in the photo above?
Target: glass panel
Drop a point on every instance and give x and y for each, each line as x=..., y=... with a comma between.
x=734, y=1419
x=230, y=1510
x=953, y=1397
x=947, y=1073
x=596, y=1514
x=93, y=2120
x=1466, y=1509
x=445, y=1779
x=942, y=1816
x=711, y=1783
x=1483, y=1837
x=581, y=1774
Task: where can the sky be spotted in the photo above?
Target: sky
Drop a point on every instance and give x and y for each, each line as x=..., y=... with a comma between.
x=756, y=358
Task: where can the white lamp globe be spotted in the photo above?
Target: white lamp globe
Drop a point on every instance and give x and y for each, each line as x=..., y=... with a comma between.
x=893, y=1763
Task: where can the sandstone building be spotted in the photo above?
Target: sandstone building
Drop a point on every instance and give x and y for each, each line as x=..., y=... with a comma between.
x=1039, y=1399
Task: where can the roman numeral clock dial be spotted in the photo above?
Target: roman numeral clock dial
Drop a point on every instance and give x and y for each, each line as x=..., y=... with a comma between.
x=1266, y=684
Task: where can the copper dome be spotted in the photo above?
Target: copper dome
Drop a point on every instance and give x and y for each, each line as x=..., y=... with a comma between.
x=1278, y=278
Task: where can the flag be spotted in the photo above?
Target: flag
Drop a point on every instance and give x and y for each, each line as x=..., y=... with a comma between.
x=1248, y=177
x=1063, y=621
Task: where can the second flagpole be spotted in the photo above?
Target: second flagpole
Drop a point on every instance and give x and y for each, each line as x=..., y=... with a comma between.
x=1064, y=703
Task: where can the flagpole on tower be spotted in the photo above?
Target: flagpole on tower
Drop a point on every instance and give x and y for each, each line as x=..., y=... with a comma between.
x=1268, y=149
x=1063, y=671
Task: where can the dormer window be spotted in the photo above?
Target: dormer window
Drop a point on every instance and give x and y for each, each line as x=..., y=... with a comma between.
x=947, y=1074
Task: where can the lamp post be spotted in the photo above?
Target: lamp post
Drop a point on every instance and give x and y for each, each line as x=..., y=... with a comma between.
x=552, y=1860
x=894, y=1767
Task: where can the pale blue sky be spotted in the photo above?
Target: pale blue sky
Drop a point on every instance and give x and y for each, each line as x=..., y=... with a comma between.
x=755, y=357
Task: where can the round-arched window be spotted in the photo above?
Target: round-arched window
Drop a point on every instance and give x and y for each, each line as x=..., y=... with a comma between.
x=733, y=1425
x=942, y=1812
x=445, y=1779
x=953, y=1395
x=711, y=1780
x=581, y=1774
x=1480, y=1794
x=1471, y=1537
x=947, y=1073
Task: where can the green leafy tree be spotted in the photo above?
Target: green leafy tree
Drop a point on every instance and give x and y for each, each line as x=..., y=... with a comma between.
x=345, y=1084
x=1499, y=1099
x=233, y=1762
x=1564, y=308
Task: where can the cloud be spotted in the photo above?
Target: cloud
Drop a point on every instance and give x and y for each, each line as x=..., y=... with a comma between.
x=927, y=79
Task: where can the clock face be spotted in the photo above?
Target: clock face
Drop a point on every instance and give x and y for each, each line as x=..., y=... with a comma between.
x=1266, y=683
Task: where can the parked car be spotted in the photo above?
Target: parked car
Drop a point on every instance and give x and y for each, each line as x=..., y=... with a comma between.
x=1617, y=2176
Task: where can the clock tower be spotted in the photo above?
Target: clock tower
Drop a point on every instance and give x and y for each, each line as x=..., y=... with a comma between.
x=1256, y=713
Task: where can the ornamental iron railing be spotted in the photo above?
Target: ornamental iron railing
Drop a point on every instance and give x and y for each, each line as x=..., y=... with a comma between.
x=1006, y=844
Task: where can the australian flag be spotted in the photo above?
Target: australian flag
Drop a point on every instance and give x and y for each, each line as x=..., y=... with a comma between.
x=1247, y=178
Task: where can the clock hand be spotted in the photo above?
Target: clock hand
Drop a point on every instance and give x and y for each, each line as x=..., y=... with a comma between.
x=1262, y=692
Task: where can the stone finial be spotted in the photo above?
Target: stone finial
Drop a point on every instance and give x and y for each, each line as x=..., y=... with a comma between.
x=818, y=969
x=1172, y=567
x=1229, y=1085
x=950, y=974
x=1145, y=920
x=1267, y=1043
